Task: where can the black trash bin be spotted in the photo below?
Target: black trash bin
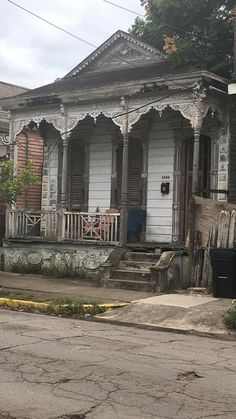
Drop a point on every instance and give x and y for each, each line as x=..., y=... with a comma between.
x=223, y=263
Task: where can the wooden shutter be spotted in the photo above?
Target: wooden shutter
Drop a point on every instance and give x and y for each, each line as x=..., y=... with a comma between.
x=134, y=174
x=119, y=153
x=77, y=160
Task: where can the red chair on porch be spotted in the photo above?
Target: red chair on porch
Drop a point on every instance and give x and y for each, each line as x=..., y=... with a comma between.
x=107, y=224
x=100, y=227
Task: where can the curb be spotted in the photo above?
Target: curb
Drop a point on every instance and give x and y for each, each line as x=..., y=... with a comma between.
x=12, y=303
x=145, y=326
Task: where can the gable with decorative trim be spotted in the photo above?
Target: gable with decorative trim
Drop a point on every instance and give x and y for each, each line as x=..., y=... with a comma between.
x=120, y=51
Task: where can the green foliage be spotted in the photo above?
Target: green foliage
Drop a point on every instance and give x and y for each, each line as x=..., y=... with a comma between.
x=66, y=300
x=13, y=184
x=75, y=309
x=201, y=29
x=64, y=307
x=230, y=318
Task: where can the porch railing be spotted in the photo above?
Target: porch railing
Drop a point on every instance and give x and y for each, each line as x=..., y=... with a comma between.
x=63, y=225
x=29, y=224
x=97, y=227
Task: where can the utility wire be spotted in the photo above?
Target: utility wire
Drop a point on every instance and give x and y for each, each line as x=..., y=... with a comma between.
x=139, y=14
x=75, y=36
x=54, y=143
x=124, y=8
x=52, y=24
x=88, y=43
x=61, y=29
x=71, y=34
x=146, y=104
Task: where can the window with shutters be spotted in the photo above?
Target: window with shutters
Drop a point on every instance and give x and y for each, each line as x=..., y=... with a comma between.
x=77, y=192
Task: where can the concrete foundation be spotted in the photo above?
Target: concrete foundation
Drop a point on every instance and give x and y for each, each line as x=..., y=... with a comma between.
x=68, y=260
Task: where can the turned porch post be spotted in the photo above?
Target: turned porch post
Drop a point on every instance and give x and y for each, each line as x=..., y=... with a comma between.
x=124, y=185
x=64, y=192
x=196, y=149
x=12, y=144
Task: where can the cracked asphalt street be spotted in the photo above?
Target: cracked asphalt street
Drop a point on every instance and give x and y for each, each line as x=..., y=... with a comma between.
x=64, y=368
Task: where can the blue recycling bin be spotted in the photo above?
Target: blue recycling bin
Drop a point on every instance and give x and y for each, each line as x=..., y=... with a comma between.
x=136, y=218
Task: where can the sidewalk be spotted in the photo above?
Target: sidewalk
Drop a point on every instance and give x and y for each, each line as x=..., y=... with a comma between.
x=189, y=313
x=199, y=314
x=45, y=287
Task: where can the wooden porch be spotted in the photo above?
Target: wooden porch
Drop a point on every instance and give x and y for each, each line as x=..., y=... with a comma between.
x=63, y=226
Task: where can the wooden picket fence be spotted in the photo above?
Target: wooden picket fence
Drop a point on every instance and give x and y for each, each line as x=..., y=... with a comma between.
x=222, y=234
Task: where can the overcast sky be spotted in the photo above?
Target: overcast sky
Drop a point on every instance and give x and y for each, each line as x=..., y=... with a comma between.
x=32, y=53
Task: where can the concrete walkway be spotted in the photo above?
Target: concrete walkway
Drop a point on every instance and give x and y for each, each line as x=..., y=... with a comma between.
x=187, y=313
x=45, y=287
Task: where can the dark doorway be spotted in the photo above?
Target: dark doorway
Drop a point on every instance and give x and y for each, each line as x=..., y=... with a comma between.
x=187, y=173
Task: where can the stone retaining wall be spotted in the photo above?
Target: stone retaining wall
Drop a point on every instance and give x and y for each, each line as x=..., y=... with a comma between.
x=56, y=259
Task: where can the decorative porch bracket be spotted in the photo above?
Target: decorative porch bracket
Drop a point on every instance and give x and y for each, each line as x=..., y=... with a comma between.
x=192, y=106
x=195, y=113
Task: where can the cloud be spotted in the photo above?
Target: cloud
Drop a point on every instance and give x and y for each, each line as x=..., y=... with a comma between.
x=33, y=53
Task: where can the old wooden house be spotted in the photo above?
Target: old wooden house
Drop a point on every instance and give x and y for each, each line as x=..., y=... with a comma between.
x=126, y=141
x=6, y=90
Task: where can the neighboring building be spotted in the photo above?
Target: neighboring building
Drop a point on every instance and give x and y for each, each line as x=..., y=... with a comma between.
x=6, y=90
x=124, y=103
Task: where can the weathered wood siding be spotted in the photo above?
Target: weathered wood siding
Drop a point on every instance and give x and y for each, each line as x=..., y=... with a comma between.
x=100, y=166
x=206, y=215
x=30, y=148
x=232, y=165
x=160, y=169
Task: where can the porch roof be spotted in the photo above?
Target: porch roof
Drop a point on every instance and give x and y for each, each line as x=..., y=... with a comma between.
x=162, y=73
x=94, y=80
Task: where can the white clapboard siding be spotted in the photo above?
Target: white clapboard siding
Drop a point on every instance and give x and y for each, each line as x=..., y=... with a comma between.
x=100, y=167
x=160, y=163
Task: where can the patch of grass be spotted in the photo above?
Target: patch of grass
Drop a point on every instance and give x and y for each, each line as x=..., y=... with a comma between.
x=76, y=310
x=230, y=317
x=76, y=301
x=64, y=307
x=21, y=295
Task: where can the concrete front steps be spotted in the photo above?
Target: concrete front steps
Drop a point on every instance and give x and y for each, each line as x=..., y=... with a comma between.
x=133, y=272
